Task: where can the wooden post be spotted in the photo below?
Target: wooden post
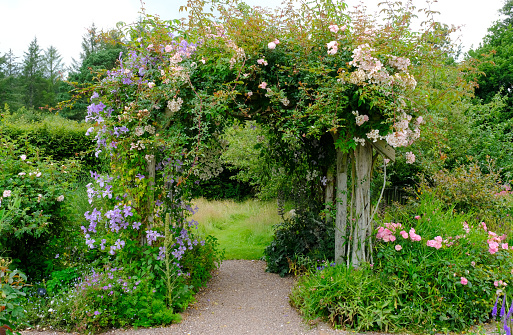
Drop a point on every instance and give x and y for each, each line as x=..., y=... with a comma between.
x=341, y=206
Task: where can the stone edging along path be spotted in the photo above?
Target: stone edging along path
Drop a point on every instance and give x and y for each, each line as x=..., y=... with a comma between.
x=241, y=298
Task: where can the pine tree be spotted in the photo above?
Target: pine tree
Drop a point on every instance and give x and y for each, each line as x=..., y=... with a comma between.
x=53, y=69
x=10, y=81
x=33, y=75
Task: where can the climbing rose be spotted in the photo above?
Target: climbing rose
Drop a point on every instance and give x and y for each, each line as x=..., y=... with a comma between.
x=410, y=157
x=464, y=281
x=334, y=28
x=169, y=48
x=271, y=45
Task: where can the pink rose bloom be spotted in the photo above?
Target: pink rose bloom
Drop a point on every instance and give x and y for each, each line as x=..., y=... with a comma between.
x=150, y=46
x=334, y=28
x=438, y=239
x=276, y=41
x=168, y=48
x=414, y=236
x=404, y=234
x=473, y=264
x=420, y=120
x=271, y=45
x=493, y=247
x=151, y=84
x=496, y=283
x=464, y=281
x=504, y=246
x=417, y=217
x=398, y=247
x=262, y=61
x=263, y=85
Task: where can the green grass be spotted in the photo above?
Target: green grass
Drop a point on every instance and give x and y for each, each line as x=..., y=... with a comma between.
x=243, y=229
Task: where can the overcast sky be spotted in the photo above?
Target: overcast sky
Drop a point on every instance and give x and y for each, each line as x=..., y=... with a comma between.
x=62, y=23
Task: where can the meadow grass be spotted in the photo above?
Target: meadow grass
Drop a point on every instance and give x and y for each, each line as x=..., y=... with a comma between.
x=243, y=229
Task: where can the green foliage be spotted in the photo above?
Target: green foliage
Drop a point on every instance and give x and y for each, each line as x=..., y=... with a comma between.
x=61, y=280
x=11, y=282
x=201, y=261
x=304, y=234
x=53, y=135
x=224, y=186
x=415, y=287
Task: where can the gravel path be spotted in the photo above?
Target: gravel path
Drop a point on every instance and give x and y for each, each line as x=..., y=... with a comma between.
x=241, y=298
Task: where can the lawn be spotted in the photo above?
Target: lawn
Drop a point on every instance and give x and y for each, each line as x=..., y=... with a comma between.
x=243, y=229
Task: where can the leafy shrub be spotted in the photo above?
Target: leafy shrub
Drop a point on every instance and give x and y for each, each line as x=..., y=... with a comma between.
x=34, y=191
x=303, y=234
x=468, y=189
x=61, y=280
x=434, y=272
x=11, y=281
x=54, y=136
x=201, y=261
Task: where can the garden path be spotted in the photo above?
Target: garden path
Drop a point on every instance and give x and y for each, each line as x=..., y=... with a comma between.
x=241, y=298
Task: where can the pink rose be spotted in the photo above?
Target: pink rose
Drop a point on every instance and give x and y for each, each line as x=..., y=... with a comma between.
x=263, y=85
x=464, y=281
x=276, y=41
x=398, y=247
x=271, y=45
x=404, y=234
x=168, y=48
x=417, y=217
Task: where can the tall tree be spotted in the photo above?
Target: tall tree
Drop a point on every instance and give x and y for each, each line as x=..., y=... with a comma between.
x=10, y=81
x=53, y=68
x=33, y=74
x=495, y=54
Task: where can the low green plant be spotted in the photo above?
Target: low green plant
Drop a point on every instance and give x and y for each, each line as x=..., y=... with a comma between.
x=11, y=282
x=305, y=234
x=61, y=280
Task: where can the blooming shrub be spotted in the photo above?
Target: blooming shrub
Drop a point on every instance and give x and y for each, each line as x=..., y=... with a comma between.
x=33, y=190
x=436, y=270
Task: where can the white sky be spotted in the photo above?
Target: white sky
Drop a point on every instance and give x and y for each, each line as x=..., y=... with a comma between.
x=62, y=23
